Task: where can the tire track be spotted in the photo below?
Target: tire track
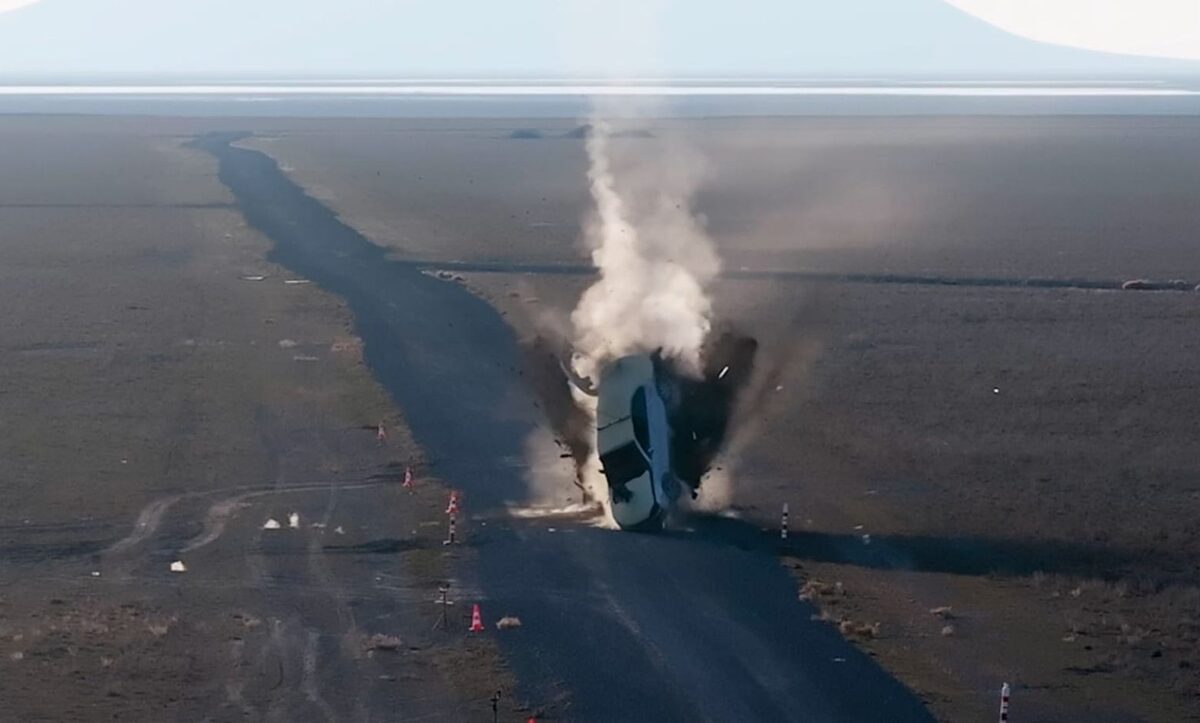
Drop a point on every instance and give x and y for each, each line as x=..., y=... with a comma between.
x=309, y=683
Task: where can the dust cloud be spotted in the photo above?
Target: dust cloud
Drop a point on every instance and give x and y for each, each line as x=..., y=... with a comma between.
x=654, y=258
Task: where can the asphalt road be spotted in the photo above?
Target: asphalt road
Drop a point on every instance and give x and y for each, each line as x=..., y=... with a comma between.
x=700, y=625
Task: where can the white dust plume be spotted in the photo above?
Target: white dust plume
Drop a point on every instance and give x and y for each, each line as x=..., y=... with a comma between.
x=654, y=258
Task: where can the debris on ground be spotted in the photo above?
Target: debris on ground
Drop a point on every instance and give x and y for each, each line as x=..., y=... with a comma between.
x=942, y=612
x=271, y=524
x=294, y=520
x=814, y=588
x=849, y=628
x=507, y=622
x=947, y=631
x=178, y=566
x=380, y=641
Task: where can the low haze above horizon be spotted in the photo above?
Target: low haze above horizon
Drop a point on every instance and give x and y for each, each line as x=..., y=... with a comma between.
x=45, y=39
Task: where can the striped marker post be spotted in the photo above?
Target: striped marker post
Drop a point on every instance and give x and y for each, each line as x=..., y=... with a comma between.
x=1004, y=690
x=783, y=523
x=452, y=513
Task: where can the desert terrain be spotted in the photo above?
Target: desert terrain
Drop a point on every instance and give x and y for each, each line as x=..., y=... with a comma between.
x=167, y=391
x=1022, y=460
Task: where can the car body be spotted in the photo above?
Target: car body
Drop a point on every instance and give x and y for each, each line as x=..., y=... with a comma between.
x=633, y=441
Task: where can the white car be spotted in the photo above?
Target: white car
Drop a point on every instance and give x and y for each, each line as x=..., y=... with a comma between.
x=633, y=440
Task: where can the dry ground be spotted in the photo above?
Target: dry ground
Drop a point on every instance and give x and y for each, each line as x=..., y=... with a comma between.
x=1025, y=457
x=160, y=403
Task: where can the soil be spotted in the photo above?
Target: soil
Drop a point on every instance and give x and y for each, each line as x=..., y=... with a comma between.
x=167, y=392
x=1021, y=456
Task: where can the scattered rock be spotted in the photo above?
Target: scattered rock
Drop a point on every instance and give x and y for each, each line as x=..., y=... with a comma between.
x=507, y=622
x=158, y=629
x=288, y=344
x=379, y=641
x=942, y=612
x=849, y=628
x=947, y=631
x=178, y=566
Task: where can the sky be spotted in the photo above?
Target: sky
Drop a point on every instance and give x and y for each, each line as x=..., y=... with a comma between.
x=598, y=38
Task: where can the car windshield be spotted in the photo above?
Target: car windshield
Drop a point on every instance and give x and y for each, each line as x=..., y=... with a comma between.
x=623, y=464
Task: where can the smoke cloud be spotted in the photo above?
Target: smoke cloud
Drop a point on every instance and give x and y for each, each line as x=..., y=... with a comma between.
x=656, y=263
x=654, y=258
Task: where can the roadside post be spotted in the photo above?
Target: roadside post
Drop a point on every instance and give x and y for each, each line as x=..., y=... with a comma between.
x=443, y=620
x=452, y=512
x=783, y=523
x=1004, y=691
x=495, y=706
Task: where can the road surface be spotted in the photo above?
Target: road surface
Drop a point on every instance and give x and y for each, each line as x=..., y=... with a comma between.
x=701, y=625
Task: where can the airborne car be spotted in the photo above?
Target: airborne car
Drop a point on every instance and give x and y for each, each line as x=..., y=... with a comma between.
x=633, y=440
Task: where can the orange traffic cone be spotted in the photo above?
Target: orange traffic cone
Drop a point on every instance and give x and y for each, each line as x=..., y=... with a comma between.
x=476, y=619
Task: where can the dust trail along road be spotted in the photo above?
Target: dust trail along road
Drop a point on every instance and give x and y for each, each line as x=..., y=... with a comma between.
x=677, y=627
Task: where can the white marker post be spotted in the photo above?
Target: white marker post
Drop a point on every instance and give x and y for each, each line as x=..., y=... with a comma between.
x=452, y=512
x=783, y=523
x=1004, y=703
